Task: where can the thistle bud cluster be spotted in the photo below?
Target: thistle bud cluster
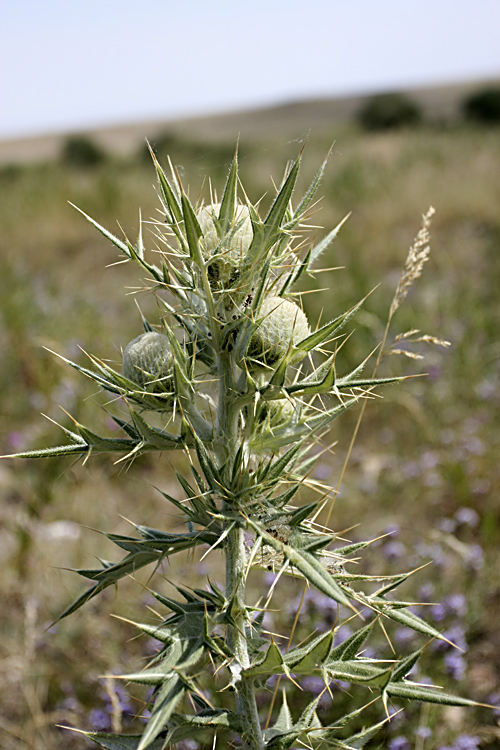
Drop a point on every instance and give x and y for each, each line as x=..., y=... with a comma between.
x=244, y=385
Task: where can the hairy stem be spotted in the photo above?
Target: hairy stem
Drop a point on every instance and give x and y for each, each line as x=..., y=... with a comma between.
x=226, y=445
x=236, y=637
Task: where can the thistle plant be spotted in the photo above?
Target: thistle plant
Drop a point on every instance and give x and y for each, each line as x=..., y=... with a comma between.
x=234, y=375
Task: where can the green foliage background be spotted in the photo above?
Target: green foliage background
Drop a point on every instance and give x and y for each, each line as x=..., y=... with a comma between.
x=56, y=292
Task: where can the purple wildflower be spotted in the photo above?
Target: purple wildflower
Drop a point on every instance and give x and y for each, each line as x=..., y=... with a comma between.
x=394, y=550
x=475, y=557
x=455, y=665
x=448, y=525
x=467, y=516
x=455, y=635
x=393, y=529
x=342, y=684
x=430, y=460
x=16, y=440
x=99, y=720
x=494, y=700
x=433, y=372
x=466, y=742
x=456, y=604
x=424, y=733
x=474, y=445
x=152, y=646
x=404, y=636
x=438, y=612
x=426, y=592
x=411, y=469
x=399, y=743
x=313, y=684
x=322, y=471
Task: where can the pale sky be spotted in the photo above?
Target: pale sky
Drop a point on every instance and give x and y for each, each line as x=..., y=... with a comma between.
x=85, y=63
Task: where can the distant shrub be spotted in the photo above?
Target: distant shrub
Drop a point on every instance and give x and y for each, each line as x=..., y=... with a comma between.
x=483, y=106
x=81, y=151
x=388, y=111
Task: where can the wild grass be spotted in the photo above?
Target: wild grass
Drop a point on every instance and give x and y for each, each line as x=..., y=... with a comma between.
x=418, y=463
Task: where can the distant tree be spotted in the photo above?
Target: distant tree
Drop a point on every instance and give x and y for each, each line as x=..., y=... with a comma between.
x=483, y=106
x=81, y=151
x=389, y=111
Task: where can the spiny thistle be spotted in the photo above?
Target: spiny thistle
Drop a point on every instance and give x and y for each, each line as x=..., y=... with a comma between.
x=242, y=383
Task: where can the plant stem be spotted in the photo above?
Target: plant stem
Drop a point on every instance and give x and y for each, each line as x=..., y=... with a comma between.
x=228, y=411
x=236, y=557
x=236, y=637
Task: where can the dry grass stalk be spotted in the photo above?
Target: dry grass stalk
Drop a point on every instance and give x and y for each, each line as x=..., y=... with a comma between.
x=417, y=256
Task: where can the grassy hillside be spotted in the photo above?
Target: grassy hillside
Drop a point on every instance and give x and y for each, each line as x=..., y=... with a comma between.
x=284, y=121
x=426, y=459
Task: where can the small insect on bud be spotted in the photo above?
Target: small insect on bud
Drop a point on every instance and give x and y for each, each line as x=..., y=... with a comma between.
x=148, y=362
x=283, y=323
x=226, y=253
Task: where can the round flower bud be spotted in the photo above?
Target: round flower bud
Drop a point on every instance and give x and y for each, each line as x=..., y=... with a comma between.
x=274, y=415
x=148, y=362
x=224, y=269
x=282, y=323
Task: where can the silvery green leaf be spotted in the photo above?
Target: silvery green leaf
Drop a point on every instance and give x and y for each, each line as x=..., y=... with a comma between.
x=360, y=671
x=274, y=469
x=269, y=663
x=122, y=246
x=210, y=470
x=307, y=564
x=166, y=700
x=348, y=649
x=405, y=617
x=313, y=542
x=326, y=385
x=145, y=553
x=325, y=243
x=325, y=333
x=103, y=444
x=309, y=195
x=229, y=198
x=193, y=230
x=318, y=421
x=368, y=383
x=282, y=740
x=171, y=202
x=355, y=742
x=317, y=377
x=412, y=691
x=184, y=726
x=309, y=659
x=152, y=435
x=270, y=229
x=111, y=574
x=58, y=450
x=281, y=500
x=283, y=723
x=404, y=666
x=300, y=514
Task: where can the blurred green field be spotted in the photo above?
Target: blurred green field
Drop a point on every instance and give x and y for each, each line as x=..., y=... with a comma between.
x=424, y=453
